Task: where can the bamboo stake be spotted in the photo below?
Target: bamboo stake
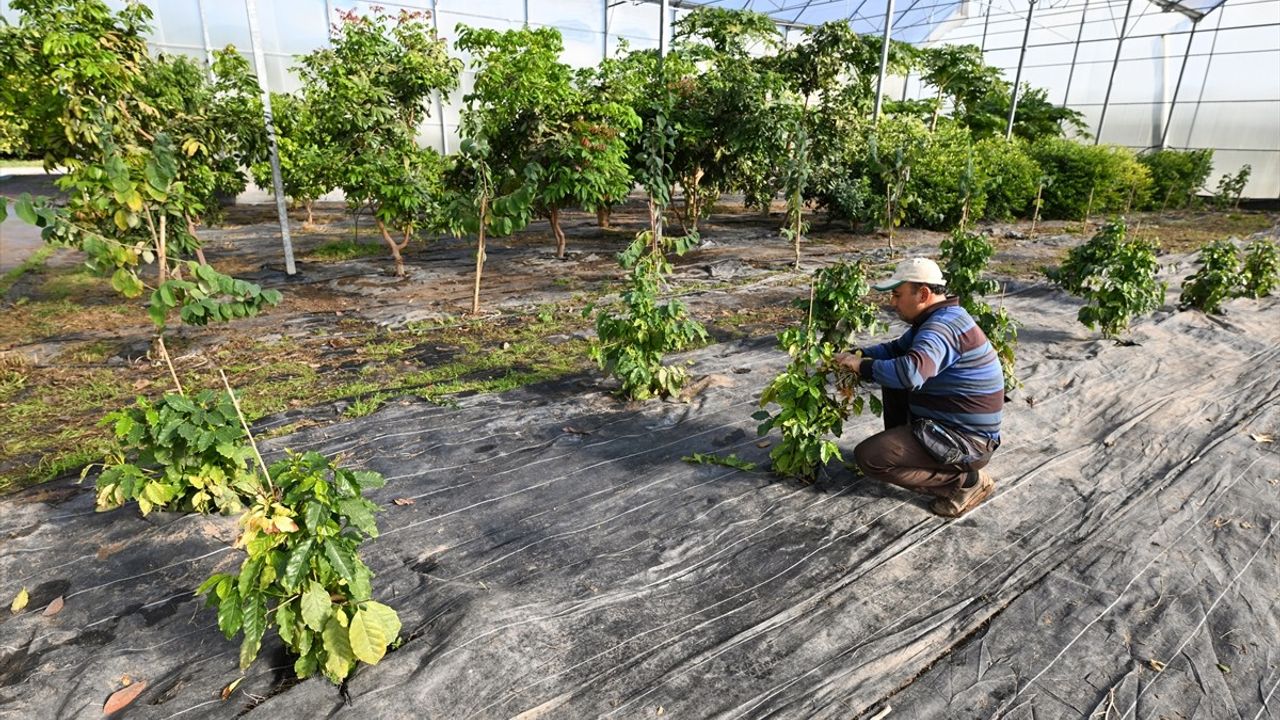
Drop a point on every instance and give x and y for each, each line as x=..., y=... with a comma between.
x=266, y=475
x=164, y=353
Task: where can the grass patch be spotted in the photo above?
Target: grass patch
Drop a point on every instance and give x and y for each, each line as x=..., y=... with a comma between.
x=338, y=250
x=1189, y=231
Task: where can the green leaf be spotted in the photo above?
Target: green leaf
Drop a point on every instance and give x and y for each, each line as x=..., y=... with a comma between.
x=25, y=210
x=255, y=625
x=341, y=558
x=357, y=511
x=298, y=565
x=316, y=606
x=287, y=623
x=229, y=614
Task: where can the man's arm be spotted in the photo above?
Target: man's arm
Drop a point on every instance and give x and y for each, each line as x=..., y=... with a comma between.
x=929, y=354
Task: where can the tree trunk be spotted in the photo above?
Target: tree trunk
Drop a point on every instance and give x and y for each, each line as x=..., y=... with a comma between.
x=602, y=217
x=1035, y=218
x=475, y=295
x=163, y=261
x=558, y=232
x=655, y=226
x=799, y=222
x=937, y=110
x=310, y=212
x=693, y=201
x=395, y=248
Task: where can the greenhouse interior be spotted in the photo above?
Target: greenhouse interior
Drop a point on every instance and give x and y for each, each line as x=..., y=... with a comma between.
x=640, y=359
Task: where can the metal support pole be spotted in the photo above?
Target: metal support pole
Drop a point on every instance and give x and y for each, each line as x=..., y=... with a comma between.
x=444, y=131
x=884, y=62
x=1164, y=132
x=1075, y=52
x=1017, y=78
x=1204, y=82
x=204, y=33
x=328, y=20
x=1124, y=30
x=986, y=23
x=664, y=28
x=260, y=66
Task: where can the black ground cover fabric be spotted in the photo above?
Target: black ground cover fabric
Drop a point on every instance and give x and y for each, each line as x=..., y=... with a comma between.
x=560, y=560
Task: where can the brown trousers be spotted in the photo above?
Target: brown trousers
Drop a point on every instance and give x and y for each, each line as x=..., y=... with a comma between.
x=896, y=457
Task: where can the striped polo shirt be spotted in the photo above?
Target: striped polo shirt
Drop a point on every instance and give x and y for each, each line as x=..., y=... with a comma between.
x=948, y=365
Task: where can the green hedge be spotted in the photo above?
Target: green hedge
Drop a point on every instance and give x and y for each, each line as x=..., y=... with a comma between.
x=1111, y=173
x=1007, y=176
x=1176, y=175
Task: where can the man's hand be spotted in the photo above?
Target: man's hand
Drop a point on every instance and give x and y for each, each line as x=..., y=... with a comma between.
x=849, y=361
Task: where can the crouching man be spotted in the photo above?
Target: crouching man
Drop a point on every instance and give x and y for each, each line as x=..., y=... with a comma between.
x=943, y=395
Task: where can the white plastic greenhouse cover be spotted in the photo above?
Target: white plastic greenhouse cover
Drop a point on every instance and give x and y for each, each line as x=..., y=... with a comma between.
x=1228, y=100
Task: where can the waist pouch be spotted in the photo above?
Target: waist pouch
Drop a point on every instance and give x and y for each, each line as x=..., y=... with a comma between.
x=948, y=446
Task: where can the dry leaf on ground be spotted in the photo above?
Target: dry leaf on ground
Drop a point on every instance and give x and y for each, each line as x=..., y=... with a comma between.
x=54, y=607
x=122, y=697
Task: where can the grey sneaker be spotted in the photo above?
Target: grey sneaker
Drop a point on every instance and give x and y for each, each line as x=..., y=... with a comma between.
x=965, y=499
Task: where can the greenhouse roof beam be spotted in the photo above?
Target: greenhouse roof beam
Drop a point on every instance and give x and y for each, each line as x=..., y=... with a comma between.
x=1195, y=13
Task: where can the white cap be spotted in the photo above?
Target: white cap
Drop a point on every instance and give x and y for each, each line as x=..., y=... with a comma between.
x=916, y=270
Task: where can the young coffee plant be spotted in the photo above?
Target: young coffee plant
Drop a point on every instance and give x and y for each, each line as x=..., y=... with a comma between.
x=1261, y=268
x=630, y=344
x=795, y=176
x=809, y=413
x=303, y=574
x=964, y=258
x=1217, y=279
x=1231, y=187
x=837, y=309
x=1116, y=277
x=181, y=453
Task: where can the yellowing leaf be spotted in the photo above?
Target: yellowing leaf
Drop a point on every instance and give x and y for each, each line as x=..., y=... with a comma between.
x=20, y=601
x=337, y=647
x=284, y=523
x=368, y=637
x=1262, y=437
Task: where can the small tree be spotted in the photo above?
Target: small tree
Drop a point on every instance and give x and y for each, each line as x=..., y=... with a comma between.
x=1115, y=275
x=368, y=92
x=485, y=202
x=795, y=177
x=308, y=167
